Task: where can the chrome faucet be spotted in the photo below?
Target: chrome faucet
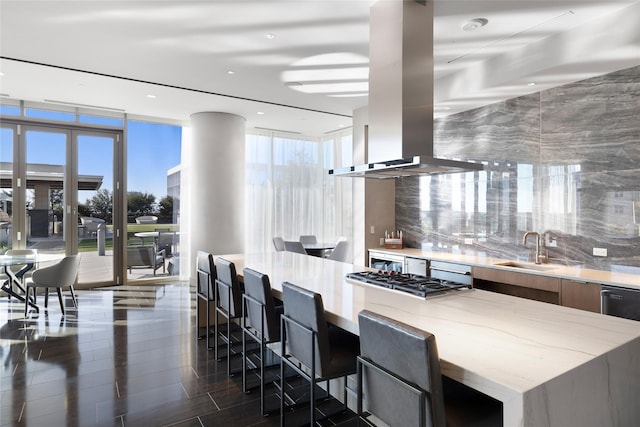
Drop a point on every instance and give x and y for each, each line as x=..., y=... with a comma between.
x=539, y=256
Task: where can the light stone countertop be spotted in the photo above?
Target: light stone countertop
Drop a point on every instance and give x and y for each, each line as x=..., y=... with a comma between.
x=555, y=270
x=549, y=365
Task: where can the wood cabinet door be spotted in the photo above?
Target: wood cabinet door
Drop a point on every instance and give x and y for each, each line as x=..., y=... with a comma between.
x=582, y=295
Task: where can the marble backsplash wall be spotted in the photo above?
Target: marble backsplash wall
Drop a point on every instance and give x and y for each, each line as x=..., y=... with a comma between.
x=564, y=162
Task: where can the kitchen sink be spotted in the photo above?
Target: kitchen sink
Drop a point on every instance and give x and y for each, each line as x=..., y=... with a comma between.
x=527, y=265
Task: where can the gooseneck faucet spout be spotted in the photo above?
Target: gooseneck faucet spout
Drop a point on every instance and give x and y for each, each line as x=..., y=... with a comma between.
x=524, y=242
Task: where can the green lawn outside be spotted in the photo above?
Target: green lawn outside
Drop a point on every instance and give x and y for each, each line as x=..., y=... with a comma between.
x=91, y=244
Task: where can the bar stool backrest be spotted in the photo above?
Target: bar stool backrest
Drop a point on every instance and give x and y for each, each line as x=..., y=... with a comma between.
x=410, y=354
x=206, y=274
x=306, y=308
x=229, y=290
x=258, y=287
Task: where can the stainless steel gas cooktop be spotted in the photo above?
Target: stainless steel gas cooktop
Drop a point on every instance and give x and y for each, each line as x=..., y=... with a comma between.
x=423, y=286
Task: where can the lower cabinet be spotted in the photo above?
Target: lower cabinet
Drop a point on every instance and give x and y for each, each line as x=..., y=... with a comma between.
x=582, y=295
x=524, y=285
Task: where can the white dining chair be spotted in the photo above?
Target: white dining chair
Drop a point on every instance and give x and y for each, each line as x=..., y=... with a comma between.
x=309, y=238
x=339, y=253
x=60, y=275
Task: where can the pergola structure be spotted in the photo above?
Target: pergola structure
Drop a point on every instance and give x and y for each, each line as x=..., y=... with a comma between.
x=42, y=178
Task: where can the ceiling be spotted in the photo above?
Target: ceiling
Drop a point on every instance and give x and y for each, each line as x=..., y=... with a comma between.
x=298, y=65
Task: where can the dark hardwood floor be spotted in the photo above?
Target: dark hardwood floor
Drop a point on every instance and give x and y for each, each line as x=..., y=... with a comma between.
x=128, y=356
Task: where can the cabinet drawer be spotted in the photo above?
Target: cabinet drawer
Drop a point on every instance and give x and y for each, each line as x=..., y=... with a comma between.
x=459, y=273
x=525, y=280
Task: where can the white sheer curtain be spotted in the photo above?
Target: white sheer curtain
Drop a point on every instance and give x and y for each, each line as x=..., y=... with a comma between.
x=289, y=191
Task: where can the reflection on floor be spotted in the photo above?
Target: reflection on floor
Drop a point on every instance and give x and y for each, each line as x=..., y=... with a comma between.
x=127, y=357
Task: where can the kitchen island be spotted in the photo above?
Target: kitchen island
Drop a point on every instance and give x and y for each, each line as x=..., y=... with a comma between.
x=548, y=365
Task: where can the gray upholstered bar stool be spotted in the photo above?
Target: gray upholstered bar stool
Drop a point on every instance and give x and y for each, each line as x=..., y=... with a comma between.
x=326, y=352
x=261, y=322
x=205, y=290
x=228, y=305
x=401, y=361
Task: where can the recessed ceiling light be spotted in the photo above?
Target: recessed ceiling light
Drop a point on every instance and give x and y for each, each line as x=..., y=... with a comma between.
x=474, y=24
x=231, y=72
x=531, y=84
x=260, y=113
x=271, y=36
x=151, y=96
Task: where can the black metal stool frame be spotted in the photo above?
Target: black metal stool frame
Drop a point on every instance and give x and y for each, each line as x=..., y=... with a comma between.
x=247, y=299
x=227, y=315
x=286, y=359
x=205, y=296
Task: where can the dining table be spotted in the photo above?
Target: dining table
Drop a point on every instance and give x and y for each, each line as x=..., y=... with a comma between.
x=27, y=261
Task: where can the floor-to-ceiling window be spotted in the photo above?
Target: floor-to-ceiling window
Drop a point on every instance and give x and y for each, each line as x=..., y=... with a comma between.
x=65, y=190
x=153, y=196
x=289, y=191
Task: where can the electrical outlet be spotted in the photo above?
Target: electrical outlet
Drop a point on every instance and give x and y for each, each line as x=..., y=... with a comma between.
x=599, y=251
x=373, y=229
x=468, y=241
x=550, y=240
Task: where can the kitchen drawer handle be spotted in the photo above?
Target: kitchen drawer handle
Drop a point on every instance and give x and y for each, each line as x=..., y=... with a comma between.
x=465, y=273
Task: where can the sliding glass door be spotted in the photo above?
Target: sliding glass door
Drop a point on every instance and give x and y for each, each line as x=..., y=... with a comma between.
x=97, y=224
x=8, y=143
x=47, y=183
x=72, y=183
x=57, y=195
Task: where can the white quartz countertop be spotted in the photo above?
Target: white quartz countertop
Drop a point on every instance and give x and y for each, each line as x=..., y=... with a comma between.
x=551, y=270
x=510, y=348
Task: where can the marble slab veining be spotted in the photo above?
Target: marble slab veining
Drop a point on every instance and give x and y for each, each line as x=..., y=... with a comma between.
x=564, y=161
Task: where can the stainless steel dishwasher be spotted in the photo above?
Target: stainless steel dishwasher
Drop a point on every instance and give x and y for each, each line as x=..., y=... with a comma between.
x=620, y=302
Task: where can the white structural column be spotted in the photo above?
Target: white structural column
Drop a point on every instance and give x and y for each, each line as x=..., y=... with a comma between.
x=216, y=181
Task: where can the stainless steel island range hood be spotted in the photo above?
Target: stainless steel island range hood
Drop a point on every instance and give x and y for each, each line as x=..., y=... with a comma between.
x=400, y=138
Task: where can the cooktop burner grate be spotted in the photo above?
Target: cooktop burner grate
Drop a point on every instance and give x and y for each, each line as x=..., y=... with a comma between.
x=412, y=283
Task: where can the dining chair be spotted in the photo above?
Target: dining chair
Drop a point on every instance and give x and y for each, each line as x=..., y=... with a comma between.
x=145, y=257
x=165, y=242
x=205, y=290
x=60, y=275
x=228, y=305
x=309, y=238
x=339, y=253
x=278, y=243
x=324, y=352
x=399, y=360
x=293, y=246
x=261, y=323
